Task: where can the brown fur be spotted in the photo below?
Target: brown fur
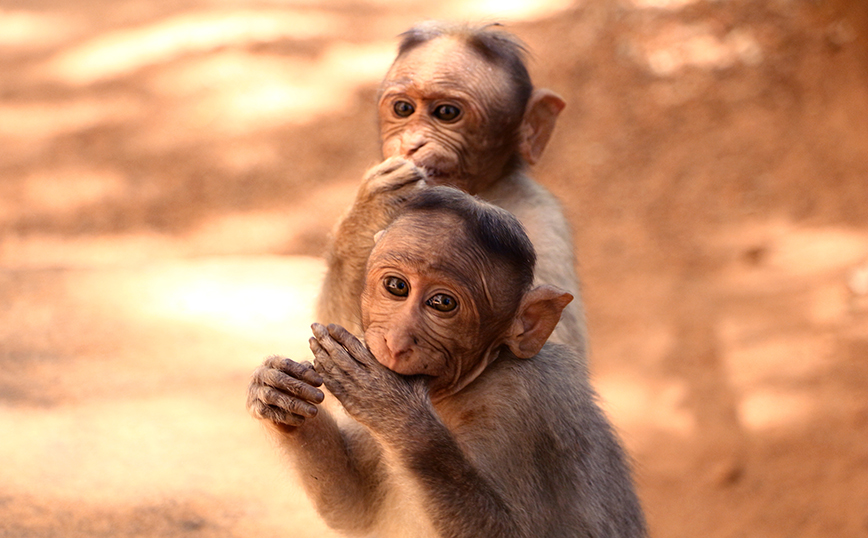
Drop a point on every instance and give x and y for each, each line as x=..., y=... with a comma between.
x=487, y=430
x=504, y=125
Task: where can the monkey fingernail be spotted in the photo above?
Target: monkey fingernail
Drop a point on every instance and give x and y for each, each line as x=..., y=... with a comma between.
x=318, y=330
x=313, y=378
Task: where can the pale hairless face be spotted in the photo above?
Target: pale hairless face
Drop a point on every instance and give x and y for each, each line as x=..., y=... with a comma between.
x=451, y=112
x=425, y=304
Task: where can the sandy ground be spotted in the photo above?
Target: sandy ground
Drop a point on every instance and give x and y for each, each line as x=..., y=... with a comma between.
x=169, y=173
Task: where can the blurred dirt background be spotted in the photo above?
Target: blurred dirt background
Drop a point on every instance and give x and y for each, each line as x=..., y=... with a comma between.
x=169, y=173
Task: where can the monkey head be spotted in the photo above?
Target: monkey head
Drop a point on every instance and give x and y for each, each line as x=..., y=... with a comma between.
x=459, y=103
x=448, y=285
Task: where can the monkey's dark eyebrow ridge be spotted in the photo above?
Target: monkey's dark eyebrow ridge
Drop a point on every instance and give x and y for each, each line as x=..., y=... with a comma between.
x=441, y=86
x=396, y=258
x=420, y=264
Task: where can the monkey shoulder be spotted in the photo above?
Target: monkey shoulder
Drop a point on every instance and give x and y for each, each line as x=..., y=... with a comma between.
x=546, y=402
x=534, y=205
x=548, y=228
x=534, y=427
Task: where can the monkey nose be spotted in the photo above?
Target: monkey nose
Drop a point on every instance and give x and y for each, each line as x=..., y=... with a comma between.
x=400, y=348
x=412, y=144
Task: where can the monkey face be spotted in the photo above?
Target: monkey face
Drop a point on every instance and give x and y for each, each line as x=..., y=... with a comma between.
x=450, y=111
x=424, y=305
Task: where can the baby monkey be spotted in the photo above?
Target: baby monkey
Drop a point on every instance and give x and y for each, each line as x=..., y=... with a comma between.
x=462, y=420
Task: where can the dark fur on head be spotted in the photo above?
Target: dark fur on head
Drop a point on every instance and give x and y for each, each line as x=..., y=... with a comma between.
x=496, y=231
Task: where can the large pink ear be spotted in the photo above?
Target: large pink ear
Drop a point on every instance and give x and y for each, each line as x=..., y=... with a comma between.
x=537, y=317
x=539, y=122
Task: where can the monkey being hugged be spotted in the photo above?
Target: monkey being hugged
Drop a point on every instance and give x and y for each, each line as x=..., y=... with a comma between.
x=457, y=108
x=462, y=420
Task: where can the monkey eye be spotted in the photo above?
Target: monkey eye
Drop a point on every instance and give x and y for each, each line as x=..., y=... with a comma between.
x=396, y=286
x=403, y=109
x=447, y=113
x=442, y=302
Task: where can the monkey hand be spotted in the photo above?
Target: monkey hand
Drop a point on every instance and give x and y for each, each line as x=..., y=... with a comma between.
x=283, y=391
x=391, y=181
x=371, y=393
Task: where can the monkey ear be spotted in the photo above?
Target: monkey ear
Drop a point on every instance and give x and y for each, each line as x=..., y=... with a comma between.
x=538, y=123
x=537, y=316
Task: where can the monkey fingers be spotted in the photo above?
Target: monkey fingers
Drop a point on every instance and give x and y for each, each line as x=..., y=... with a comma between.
x=343, y=356
x=386, y=167
x=323, y=361
x=337, y=380
x=391, y=175
x=353, y=345
x=298, y=370
x=267, y=403
x=324, y=356
x=293, y=388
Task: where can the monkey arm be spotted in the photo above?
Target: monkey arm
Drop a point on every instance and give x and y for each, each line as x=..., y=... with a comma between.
x=383, y=190
x=340, y=469
x=345, y=264
x=462, y=500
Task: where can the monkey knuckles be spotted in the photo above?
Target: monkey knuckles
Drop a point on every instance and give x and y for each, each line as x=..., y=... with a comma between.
x=277, y=394
x=391, y=177
x=259, y=408
x=364, y=392
x=389, y=167
x=299, y=370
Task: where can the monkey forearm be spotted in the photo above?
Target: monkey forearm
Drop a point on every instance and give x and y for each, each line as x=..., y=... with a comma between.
x=380, y=196
x=352, y=241
x=338, y=299
x=341, y=484
x=463, y=502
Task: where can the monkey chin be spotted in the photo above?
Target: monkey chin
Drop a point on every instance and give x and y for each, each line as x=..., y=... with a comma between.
x=411, y=370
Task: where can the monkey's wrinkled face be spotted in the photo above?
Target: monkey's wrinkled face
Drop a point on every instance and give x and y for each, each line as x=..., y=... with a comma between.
x=425, y=303
x=450, y=111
